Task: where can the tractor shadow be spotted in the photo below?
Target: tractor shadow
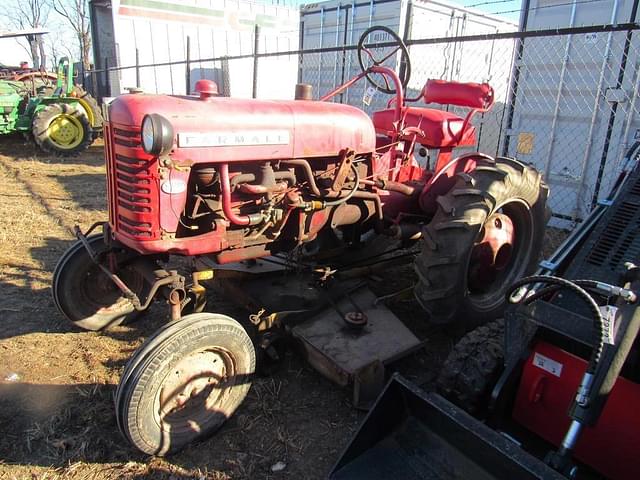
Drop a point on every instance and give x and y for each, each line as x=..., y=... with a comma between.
x=87, y=191
x=49, y=425
x=21, y=149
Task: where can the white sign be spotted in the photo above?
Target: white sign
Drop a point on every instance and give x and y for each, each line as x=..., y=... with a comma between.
x=547, y=364
x=368, y=95
x=173, y=186
x=240, y=138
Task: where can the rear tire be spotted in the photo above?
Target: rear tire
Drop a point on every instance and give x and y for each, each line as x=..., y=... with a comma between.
x=85, y=295
x=184, y=382
x=89, y=103
x=472, y=368
x=62, y=130
x=452, y=286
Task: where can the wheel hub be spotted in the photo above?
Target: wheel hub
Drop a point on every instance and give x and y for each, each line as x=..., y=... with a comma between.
x=190, y=385
x=493, y=252
x=65, y=130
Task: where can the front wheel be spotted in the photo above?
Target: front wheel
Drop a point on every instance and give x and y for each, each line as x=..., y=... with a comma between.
x=473, y=367
x=85, y=295
x=184, y=382
x=487, y=232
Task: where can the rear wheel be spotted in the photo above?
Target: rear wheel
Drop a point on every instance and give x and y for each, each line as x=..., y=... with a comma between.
x=85, y=295
x=61, y=129
x=486, y=233
x=184, y=382
x=92, y=109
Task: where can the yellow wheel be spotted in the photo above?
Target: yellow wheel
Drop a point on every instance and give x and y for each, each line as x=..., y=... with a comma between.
x=62, y=129
x=65, y=131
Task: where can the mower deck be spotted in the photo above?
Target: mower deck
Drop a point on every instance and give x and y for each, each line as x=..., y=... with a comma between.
x=314, y=315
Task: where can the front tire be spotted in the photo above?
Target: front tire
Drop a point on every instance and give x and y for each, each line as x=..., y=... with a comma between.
x=85, y=295
x=461, y=278
x=472, y=368
x=184, y=382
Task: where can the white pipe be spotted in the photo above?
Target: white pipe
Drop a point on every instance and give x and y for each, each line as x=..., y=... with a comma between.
x=320, y=55
x=556, y=108
x=627, y=129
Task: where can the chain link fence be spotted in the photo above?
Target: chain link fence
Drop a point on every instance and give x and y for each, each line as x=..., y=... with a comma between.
x=566, y=99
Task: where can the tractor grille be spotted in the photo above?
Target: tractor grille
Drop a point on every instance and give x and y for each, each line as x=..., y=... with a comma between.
x=133, y=190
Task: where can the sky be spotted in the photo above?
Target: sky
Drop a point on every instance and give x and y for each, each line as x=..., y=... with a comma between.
x=12, y=53
x=505, y=8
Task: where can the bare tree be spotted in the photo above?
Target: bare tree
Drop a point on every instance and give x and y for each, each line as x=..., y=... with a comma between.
x=76, y=13
x=31, y=14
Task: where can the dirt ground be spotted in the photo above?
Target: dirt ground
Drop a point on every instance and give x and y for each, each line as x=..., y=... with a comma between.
x=56, y=383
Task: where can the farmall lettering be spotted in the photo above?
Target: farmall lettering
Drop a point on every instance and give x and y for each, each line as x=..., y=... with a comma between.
x=234, y=139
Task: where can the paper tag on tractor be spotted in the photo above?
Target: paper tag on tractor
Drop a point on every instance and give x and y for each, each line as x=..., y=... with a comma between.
x=368, y=95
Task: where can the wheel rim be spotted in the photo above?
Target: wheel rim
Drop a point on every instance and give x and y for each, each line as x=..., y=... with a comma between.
x=93, y=292
x=500, y=255
x=101, y=295
x=192, y=391
x=65, y=131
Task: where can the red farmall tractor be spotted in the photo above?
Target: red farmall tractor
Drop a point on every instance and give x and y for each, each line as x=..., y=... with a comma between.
x=228, y=180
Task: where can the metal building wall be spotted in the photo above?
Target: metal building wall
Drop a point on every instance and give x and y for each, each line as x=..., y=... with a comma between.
x=576, y=102
x=160, y=30
x=336, y=23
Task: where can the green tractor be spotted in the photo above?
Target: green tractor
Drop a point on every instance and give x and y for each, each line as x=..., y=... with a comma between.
x=62, y=120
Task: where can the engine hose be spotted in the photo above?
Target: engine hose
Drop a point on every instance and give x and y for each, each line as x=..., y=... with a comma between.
x=586, y=284
x=557, y=284
x=344, y=199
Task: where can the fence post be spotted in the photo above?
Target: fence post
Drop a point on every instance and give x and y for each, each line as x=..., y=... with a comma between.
x=107, y=79
x=226, y=85
x=301, y=48
x=137, y=68
x=94, y=84
x=187, y=67
x=256, y=42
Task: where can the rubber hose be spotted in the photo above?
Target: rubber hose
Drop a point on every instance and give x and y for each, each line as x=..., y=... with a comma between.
x=596, y=353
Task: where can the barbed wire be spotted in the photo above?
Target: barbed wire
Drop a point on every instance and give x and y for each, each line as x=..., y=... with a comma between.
x=492, y=2
x=548, y=6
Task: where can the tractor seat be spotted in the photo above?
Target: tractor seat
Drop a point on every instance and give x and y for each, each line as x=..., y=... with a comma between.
x=437, y=128
x=441, y=129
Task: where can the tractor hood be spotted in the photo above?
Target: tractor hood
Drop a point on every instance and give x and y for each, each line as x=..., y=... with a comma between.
x=9, y=98
x=224, y=129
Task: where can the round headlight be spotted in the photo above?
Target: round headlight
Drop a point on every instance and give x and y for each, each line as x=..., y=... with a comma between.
x=156, y=135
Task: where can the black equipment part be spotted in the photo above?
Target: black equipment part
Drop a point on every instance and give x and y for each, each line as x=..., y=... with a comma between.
x=413, y=434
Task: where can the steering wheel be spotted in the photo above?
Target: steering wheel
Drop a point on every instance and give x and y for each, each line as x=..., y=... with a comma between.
x=367, y=59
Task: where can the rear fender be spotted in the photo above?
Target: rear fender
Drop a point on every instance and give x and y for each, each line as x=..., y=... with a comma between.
x=445, y=179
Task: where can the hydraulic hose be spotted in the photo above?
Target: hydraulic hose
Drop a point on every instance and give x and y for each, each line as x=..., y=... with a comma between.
x=556, y=284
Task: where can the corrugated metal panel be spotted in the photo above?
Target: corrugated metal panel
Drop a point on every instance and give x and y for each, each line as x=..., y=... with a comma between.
x=565, y=99
x=339, y=22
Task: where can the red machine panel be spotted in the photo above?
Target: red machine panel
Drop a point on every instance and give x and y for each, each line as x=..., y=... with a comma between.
x=550, y=379
x=441, y=129
x=220, y=129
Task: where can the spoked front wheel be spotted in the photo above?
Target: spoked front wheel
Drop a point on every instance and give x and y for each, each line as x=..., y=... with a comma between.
x=184, y=382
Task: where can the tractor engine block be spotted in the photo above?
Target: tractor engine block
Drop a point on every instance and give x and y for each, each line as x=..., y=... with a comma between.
x=216, y=178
